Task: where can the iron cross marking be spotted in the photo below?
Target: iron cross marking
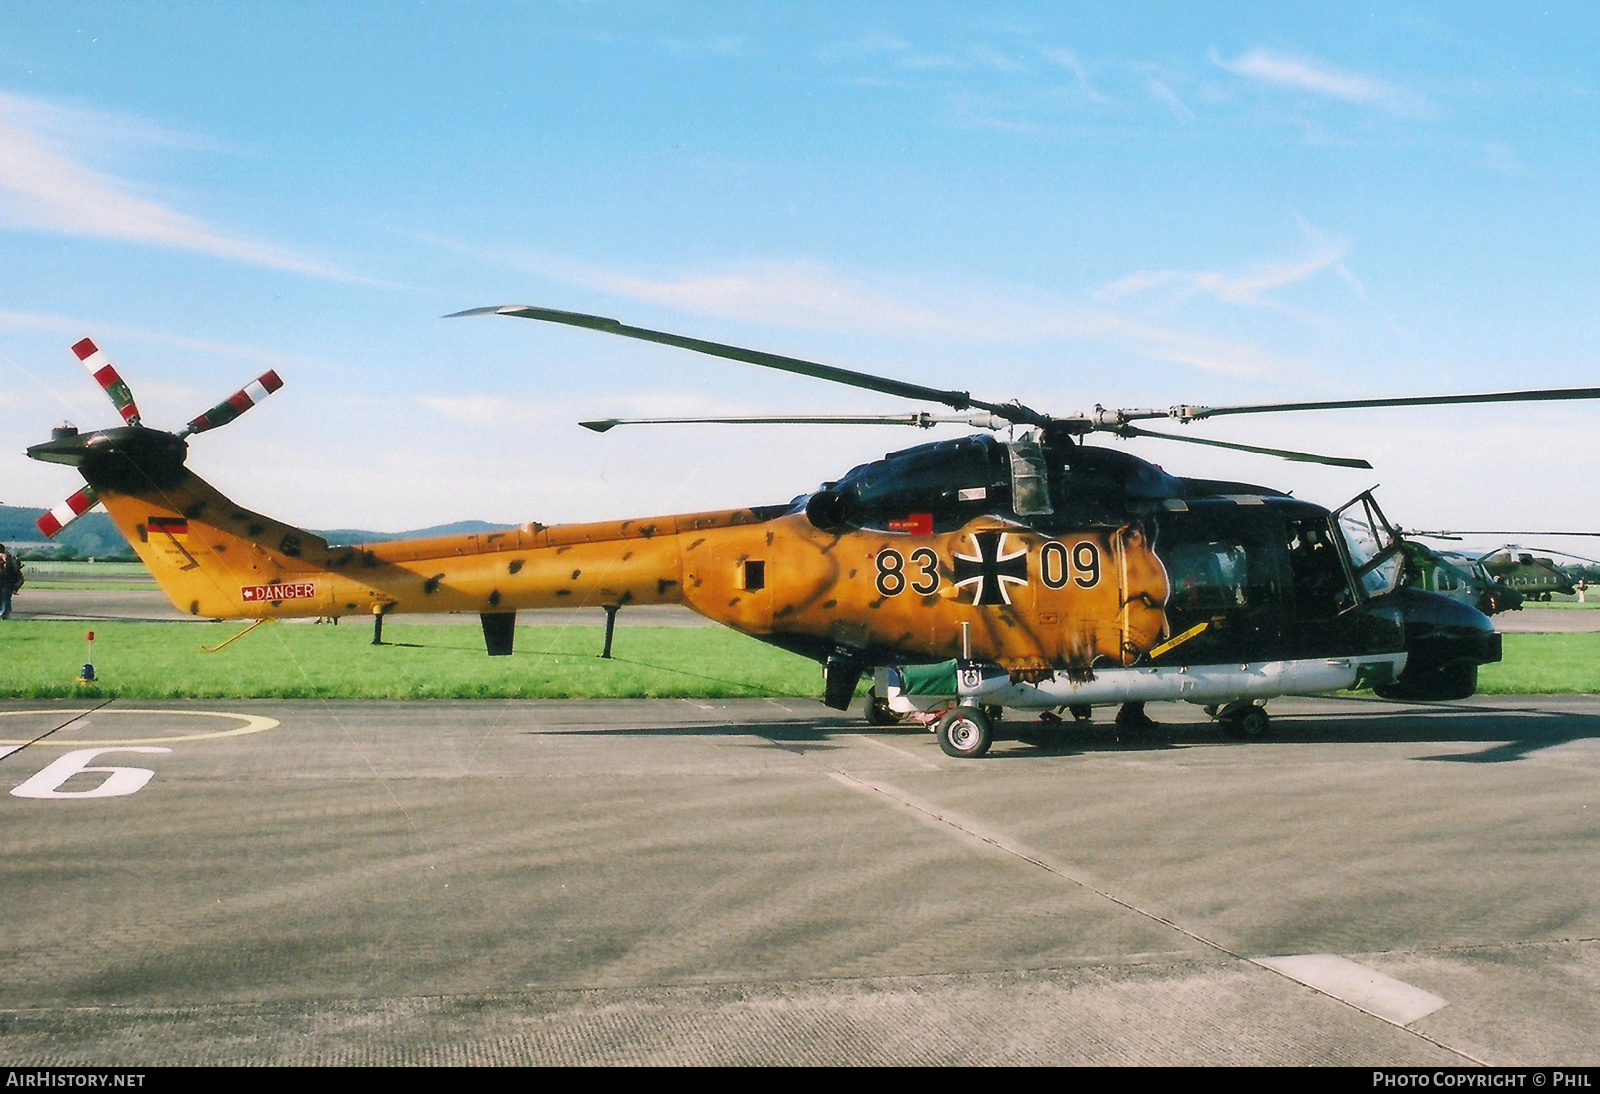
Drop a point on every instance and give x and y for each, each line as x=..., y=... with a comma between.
x=991, y=569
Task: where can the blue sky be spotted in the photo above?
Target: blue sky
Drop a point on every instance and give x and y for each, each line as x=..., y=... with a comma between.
x=1070, y=204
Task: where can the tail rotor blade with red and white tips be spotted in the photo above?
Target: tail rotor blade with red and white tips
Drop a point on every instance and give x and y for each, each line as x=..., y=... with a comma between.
x=105, y=374
x=236, y=404
x=68, y=511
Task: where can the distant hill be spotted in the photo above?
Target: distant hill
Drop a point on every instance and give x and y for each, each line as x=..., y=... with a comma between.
x=92, y=536
x=95, y=536
x=459, y=528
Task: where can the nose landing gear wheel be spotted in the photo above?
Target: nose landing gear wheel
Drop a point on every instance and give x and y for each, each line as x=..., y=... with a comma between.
x=965, y=733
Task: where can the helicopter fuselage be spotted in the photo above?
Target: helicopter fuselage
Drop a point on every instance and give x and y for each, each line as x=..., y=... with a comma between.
x=1046, y=564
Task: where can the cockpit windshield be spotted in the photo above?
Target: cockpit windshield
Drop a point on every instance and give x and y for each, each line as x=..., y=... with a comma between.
x=1372, y=543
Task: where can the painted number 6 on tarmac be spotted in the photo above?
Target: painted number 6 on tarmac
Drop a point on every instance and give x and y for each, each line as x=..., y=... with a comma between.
x=119, y=781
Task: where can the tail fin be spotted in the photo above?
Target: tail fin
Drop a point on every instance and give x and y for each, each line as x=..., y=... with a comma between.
x=212, y=557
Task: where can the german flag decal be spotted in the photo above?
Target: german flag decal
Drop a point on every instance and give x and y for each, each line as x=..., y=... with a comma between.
x=176, y=527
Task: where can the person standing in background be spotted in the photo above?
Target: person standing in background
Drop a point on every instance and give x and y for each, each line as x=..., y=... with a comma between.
x=10, y=580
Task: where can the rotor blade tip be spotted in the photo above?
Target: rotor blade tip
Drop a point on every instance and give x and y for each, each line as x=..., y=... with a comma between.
x=601, y=425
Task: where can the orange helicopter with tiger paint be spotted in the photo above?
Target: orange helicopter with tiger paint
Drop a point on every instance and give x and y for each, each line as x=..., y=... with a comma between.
x=967, y=576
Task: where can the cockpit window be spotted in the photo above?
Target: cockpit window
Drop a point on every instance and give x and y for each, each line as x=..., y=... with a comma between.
x=1209, y=577
x=1372, y=543
x=1321, y=587
x=1030, y=477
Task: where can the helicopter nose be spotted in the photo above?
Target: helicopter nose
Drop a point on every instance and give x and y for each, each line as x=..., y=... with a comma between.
x=1445, y=642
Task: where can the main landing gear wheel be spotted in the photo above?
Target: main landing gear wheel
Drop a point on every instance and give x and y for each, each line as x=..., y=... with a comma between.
x=1245, y=721
x=878, y=712
x=965, y=733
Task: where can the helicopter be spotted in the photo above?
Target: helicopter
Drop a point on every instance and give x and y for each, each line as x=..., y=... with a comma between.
x=969, y=575
x=1538, y=578
x=1459, y=576
x=1506, y=572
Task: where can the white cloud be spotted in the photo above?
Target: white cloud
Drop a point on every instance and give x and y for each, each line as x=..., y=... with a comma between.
x=809, y=296
x=72, y=329
x=1068, y=60
x=1248, y=288
x=994, y=60
x=45, y=186
x=1169, y=97
x=1321, y=78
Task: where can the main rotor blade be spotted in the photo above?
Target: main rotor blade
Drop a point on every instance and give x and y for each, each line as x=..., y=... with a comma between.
x=1563, y=554
x=920, y=421
x=235, y=404
x=68, y=511
x=1454, y=534
x=1282, y=453
x=1534, y=395
x=959, y=400
x=105, y=374
x=1514, y=549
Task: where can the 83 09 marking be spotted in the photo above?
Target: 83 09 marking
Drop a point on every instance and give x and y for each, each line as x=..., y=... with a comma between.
x=1058, y=566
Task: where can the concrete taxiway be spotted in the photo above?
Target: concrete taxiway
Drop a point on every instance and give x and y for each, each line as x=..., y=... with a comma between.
x=769, y=882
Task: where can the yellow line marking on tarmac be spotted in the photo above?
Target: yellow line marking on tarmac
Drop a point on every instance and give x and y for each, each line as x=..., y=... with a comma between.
x=253, y=723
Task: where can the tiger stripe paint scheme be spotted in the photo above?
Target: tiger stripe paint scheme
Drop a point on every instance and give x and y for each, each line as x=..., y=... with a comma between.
x=1092, y=595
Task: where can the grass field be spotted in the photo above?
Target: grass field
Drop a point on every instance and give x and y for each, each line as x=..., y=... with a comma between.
x=41, y=659
x=122, y=577
x=165, y=661
x=1545, y=664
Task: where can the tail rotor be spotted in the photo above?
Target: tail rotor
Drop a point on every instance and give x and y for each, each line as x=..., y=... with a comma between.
x=68, y=511
x=105, y=374
x=135, y=440
x=235, y=404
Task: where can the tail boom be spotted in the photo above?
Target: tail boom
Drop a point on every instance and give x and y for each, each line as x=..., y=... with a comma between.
x=217, y=560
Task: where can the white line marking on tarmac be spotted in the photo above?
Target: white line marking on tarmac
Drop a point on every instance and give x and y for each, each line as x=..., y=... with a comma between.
x=1367, y=989
x=970, y=830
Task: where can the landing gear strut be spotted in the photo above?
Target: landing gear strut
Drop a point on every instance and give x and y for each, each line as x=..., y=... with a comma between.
x=878, y=711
